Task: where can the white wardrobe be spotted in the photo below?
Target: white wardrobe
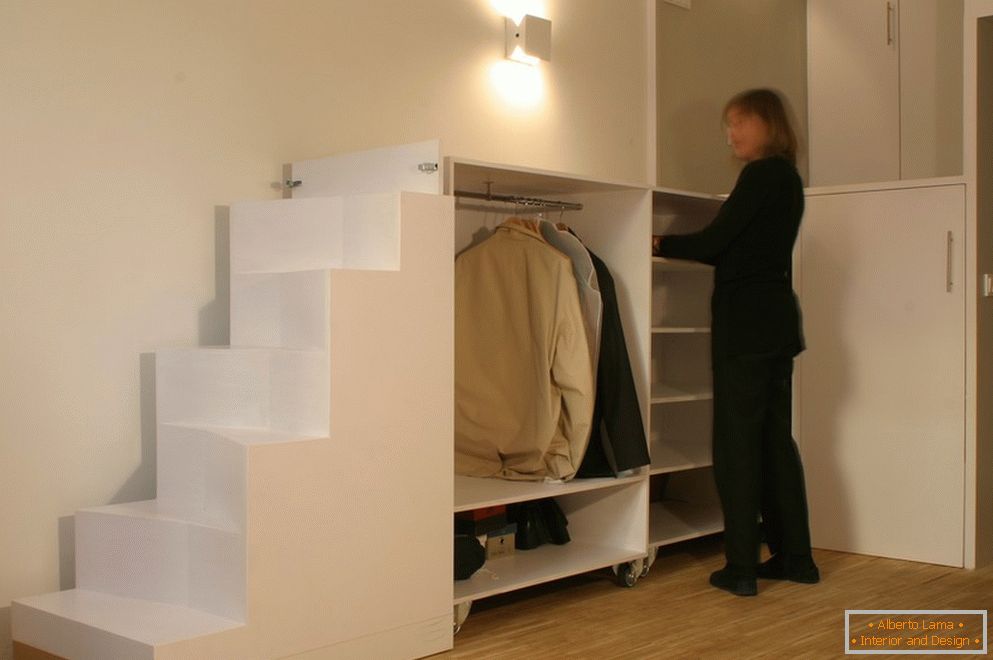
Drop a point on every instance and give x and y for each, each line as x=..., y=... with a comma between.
x=881, y=388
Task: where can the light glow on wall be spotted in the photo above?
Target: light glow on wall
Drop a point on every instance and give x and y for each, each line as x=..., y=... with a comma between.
x=519, y=85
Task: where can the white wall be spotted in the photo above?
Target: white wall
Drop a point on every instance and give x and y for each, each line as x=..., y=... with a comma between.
x=706, y=55
x=127, y=127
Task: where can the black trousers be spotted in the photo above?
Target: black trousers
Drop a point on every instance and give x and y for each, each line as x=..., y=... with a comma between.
x=757, y=465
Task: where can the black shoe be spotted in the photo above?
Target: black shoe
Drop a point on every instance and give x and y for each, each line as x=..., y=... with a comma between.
x=794, y=568
x=739, y=585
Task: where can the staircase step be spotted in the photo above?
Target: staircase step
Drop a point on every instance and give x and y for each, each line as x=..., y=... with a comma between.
x=244, y=387
x=89, y=625
x=202, y=470
x=249, y=435
x=285, y=310
x=359, y=232
x=139, y=550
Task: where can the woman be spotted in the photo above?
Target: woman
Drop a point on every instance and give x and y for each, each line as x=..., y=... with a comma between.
x=756, y=333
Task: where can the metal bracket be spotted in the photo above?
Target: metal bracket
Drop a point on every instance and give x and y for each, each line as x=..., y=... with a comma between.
x=428, y=168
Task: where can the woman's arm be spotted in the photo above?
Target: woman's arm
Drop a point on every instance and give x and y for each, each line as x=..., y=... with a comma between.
x=736, y=212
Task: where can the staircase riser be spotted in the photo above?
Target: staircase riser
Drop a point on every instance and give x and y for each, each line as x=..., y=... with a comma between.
x=358, y=232
x=160, y=560
x=286, y=390
x=284, y=310
x=201, y=475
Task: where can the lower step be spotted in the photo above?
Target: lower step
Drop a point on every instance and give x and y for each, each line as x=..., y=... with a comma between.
x=137, y=550
x=89, y=625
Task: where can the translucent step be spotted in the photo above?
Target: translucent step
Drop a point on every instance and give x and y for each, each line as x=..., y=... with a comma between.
x=202, y=471
x=88, y=625
x=244, y=387
x=287, y=310
x=317, y=233
x=139, y=551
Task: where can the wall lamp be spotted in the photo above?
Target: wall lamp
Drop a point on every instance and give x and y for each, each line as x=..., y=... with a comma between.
x=530, y=40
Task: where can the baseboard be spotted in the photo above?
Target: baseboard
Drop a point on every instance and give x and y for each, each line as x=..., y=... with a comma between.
x=416, y=640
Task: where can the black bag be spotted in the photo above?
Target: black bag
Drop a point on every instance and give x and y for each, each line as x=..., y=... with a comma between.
x=538, y=522
x=469, y=556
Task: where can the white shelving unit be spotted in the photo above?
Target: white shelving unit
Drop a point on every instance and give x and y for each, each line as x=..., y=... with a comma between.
x=677, y=329
x=682, y=519
x=675, y=264
x=665, y=309
x=665, y=393
x=478, y=493
x=682, y=393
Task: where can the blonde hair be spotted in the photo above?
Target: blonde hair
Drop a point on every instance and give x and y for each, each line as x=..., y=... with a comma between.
x=769, y=107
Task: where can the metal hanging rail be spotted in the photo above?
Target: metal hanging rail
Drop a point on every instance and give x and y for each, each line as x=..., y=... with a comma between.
x=519, y=200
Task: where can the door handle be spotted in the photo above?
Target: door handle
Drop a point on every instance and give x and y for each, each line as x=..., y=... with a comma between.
x=889, y=23
x=948, y=261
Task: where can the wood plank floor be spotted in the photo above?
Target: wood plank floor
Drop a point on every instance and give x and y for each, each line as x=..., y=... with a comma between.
x=675, y=613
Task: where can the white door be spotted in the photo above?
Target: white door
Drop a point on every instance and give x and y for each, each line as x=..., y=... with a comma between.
x=881, y=386
x=853, y=91
x=407, y=167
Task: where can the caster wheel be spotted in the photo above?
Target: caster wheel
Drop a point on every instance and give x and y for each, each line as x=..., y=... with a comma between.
x=648, y=561
x=459, y=614
x=627, y=574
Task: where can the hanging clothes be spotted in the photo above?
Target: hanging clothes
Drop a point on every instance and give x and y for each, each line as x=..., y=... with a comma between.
x=617, y=436
x=524, y=384
x=586, y=281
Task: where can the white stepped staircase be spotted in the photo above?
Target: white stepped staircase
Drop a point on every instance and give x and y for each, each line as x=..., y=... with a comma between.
x=304, y=474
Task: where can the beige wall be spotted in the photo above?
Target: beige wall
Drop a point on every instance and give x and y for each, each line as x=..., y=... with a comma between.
x=705, y=56
x=126, y=129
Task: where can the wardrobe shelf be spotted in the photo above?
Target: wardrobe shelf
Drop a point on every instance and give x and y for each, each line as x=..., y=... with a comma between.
x=479, y=492
x=671, y=521
x=526, y=568
x=664, y=263
x=677, y=393
x=669, y=458
x=687, y=196
x=679, y=329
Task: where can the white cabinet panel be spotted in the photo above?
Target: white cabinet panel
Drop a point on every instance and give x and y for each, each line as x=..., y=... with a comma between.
x=853, y=100
x=882, y=382
x=884, y=90
x=405, y=167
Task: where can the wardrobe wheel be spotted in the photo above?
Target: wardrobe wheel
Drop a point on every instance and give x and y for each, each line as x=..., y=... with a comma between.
x=648, y=561
x=459, y=614
x=627, y=574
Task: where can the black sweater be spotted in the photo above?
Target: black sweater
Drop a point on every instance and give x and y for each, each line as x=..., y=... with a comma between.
x=750, y=243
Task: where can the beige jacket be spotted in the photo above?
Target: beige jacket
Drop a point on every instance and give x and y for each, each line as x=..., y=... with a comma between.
x=524, y=385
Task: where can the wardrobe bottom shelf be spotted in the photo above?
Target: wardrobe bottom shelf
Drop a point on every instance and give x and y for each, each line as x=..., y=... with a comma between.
x=673, y=521
x=545, y=563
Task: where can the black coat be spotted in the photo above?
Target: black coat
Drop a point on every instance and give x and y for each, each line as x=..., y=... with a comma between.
x=617, y=441
x=750, y=243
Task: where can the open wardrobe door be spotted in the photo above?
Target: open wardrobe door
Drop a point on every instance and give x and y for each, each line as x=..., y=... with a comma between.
x=406, y=167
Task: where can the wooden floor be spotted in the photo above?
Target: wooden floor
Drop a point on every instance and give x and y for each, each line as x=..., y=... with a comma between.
x=675, y=613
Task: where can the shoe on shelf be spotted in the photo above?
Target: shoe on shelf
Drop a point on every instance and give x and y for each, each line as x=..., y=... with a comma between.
x=796, y=568
x=739, y=585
